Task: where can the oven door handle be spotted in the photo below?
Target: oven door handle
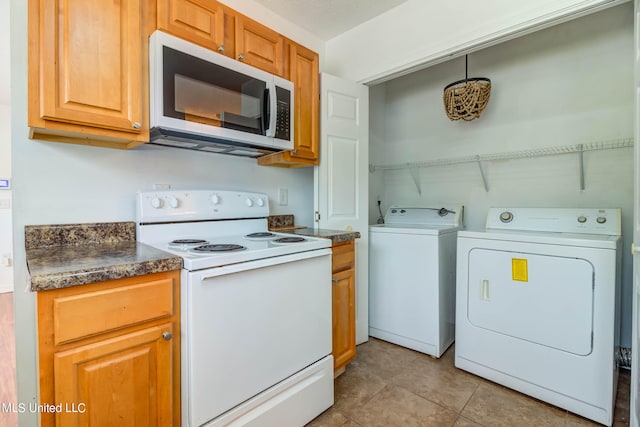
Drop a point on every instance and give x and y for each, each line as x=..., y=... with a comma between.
x=261, y=263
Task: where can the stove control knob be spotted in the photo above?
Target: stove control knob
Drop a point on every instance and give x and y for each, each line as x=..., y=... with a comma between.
x=260, y=202
x=173, y=202
x=601, y=220
x=582, y=219
x=506, y=216
x=249, y=202
x=156, y=202
x=215, y=199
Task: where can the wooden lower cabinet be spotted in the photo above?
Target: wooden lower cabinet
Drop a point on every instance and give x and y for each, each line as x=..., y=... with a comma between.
x=344, y=305
x=109, y=352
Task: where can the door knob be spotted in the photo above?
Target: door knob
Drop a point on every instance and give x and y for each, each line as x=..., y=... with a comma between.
x=634, y=249
x=167, y=336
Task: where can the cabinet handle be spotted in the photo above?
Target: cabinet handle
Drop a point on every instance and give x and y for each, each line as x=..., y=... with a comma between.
x=294, y=152
x=241, y=57
x=221, y=48
x=167, y=336
x=137, y=125
x=334, y=280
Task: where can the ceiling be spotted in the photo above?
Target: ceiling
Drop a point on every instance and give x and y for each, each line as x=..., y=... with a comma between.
x=329, y=18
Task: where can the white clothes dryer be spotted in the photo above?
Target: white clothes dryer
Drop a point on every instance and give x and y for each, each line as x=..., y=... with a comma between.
x=538, y=296
x=412, y=277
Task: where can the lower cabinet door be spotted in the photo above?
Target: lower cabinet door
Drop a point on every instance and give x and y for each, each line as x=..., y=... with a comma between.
x=124, y=381
x=344, y=318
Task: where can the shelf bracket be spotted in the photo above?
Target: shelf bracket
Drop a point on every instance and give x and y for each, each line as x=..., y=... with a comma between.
x=581, y=160
x=415, y=174
x=482, y=173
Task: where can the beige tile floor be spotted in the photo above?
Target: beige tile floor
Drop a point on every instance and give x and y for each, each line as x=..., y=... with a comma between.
x=387, y=385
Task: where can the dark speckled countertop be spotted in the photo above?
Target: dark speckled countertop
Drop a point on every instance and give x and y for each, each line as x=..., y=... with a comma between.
x=285, y=224
x=336, y=236
x=60, y=256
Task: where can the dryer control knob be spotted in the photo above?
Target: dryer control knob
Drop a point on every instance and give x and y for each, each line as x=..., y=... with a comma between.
x=173, y=202
x=248, y=202
x=582, y=219
x=215, y=199
x=601, y=220
x=506, y=216
x=260, y=202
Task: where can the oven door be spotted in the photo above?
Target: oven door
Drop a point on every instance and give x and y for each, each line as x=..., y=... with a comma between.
x=248, y=326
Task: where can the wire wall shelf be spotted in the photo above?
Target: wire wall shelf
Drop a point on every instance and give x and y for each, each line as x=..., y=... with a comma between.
x=478, y=159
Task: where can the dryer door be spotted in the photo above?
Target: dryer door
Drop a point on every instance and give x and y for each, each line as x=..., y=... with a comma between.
x=547, y=300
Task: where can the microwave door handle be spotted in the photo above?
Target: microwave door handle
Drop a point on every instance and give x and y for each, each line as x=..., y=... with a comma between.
x=266, y=116
x=272, y=100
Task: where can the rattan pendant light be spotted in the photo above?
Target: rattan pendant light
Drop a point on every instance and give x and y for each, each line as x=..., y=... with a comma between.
x=466, y=99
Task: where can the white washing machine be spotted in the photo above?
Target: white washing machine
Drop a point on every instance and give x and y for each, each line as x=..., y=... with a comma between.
x=412, y=277
x=537, y=308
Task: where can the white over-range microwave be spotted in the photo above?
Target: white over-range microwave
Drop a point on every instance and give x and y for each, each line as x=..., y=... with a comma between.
x=202, y=100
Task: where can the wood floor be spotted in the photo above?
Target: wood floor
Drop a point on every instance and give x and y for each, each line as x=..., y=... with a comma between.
x=7, y=361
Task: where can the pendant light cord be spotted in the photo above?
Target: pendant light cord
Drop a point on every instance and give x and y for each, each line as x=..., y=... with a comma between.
x=466, y=68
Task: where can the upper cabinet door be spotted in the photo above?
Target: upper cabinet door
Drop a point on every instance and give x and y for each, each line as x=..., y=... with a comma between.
x=259, y=46
x=91, y=64
x=304, y=72
x=201, y=22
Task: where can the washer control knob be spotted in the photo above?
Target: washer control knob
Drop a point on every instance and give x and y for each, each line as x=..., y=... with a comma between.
x=260, y=202
x=173, y=202
x=215, y=199
x=601, y=220
x=506, y=216
x=394, y=210
x=156, y=202
x=249, y=202
x=582, y=219
x=403, y=211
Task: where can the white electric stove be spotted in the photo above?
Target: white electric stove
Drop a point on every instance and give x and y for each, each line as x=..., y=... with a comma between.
x=255, y=308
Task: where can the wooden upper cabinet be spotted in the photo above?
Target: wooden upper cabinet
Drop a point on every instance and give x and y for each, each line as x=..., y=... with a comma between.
x=87, y=71
x=198, y=21
x=259, y=46
x=303, y=71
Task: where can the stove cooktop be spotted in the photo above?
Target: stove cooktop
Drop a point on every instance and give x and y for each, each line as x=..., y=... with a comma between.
x=217, y=251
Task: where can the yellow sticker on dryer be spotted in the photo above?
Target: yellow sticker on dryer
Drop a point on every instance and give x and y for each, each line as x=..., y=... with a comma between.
x=519, y=270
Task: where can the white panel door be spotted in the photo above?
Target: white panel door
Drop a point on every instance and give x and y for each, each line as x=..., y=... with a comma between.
x=635, y=334
x=342, y=176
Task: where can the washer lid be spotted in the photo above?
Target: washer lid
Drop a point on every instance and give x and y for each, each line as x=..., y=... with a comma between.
x=433, y=230
x=423, y=217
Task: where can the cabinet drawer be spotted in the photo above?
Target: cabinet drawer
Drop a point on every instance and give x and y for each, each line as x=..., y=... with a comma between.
x=343, y=256
x=85, y=314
